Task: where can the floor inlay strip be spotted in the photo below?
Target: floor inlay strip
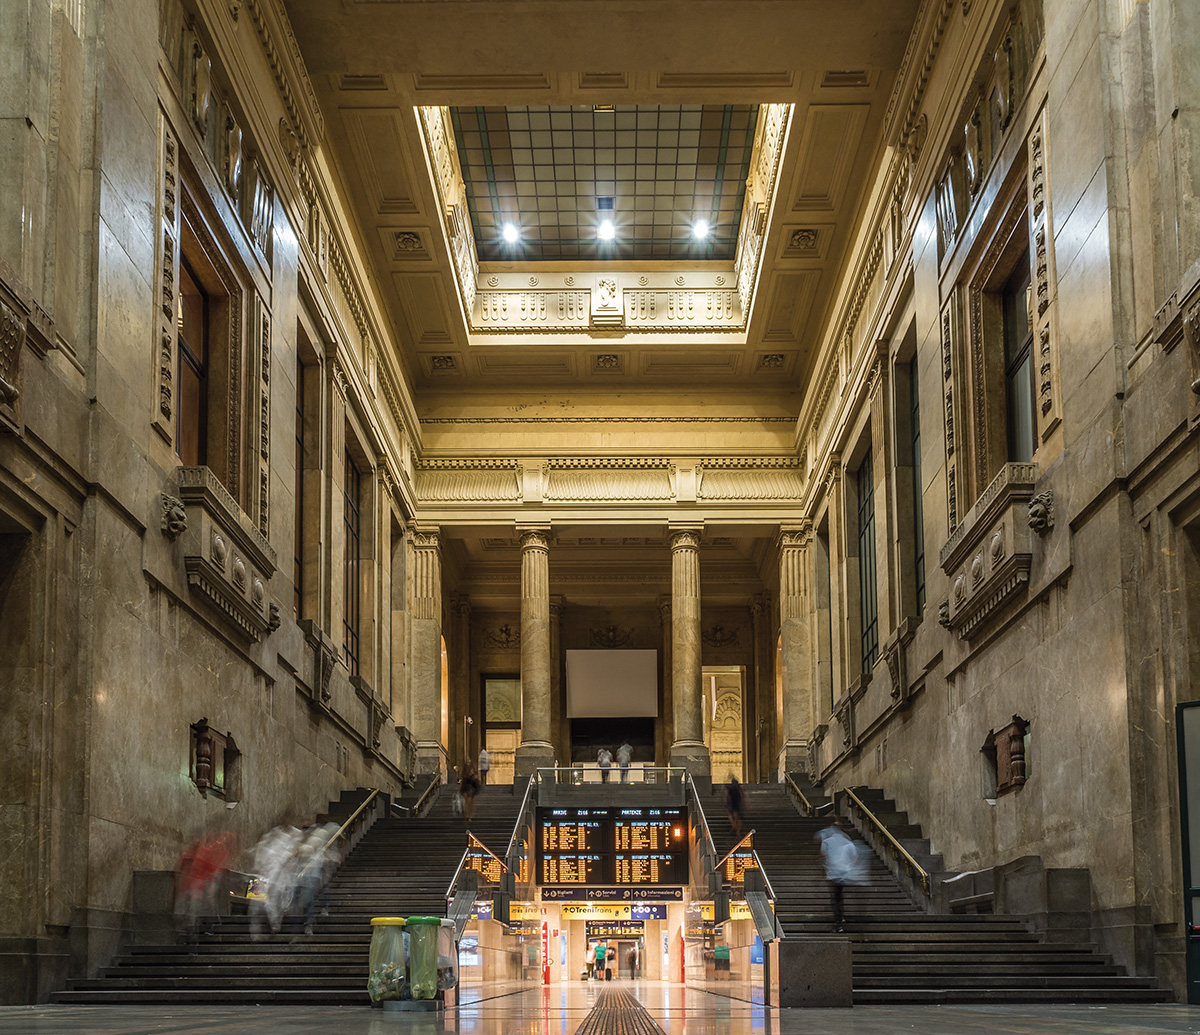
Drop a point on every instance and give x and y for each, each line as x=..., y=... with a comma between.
x=618, y=1013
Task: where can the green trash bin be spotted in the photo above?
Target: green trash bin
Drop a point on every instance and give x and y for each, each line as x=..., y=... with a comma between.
x=388, y=975
x=423, y=955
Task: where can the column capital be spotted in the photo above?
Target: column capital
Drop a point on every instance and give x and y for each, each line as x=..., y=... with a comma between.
x=664, y=608
x=461, y=606
x=557, y=603
x=534, y=537
x=425, y=536
x=794, y=535
x=684, y=537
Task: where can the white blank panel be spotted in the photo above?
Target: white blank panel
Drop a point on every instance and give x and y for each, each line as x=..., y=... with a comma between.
x=611, y=683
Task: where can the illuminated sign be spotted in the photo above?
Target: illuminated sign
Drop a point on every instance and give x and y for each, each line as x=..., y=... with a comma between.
x=597, y=911
x=615, y=928
x=649, y=911
x=629, y=847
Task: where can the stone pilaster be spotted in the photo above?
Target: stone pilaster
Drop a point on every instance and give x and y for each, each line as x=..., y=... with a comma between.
x=795, y=645
x=425, y=705
x=687, y=748
x=535, y=748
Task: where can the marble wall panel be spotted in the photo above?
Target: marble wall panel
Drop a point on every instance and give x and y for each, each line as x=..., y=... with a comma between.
x=1077, y=136
x=1088, y=364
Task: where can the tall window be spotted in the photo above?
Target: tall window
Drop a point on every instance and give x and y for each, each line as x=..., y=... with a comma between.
x=353, y=520
x=1019, y=390
x=298, y=540
x=191, y=374
x=867, y=594
x=918, y=503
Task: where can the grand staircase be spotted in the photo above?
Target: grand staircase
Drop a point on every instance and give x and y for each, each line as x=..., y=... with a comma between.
x=900, y=952
x=401, y=867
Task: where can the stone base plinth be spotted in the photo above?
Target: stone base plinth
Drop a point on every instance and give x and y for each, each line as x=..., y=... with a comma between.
x=529, y=758
x=692, y=757
x=815, y=972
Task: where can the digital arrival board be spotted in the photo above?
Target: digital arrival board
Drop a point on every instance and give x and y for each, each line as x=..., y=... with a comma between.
x=635, y=847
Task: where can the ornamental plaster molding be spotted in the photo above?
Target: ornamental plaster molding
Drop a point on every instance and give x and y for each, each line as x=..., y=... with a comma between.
x=270, y=21
x=601, y=419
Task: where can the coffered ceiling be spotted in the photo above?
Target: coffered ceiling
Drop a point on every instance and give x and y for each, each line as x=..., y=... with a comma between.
x=395, y=78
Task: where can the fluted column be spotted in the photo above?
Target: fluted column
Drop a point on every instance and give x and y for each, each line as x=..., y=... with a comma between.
x=687, y=749
x=795, y=647
x=425, y=708
x=535, y=748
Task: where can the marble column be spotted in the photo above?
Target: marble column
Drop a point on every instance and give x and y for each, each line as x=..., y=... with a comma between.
x=425, y=685
x=687, y=749
x=795, y=647
x=535, y=748
x=666, y=712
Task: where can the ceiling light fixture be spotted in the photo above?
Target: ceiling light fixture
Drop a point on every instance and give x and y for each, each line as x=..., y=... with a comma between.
x=511, y=234
x=700, y=229
x=606, y=231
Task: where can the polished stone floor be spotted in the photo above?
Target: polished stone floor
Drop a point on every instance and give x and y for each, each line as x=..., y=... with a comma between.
x=560, y=1009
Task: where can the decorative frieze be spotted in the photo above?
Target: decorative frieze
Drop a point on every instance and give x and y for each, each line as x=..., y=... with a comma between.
x=165, y=326
x=325, y=660
x=228, y=561
x=611, y=637
x=12, y=342
x=443, y=485
x=262, y=426
x=749, y=483
x=631, y=484
x=439, y=141
x=988, y=558
x=1041, y=232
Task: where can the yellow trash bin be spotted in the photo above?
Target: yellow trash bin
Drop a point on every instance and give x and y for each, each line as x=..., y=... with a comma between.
x=388, y=977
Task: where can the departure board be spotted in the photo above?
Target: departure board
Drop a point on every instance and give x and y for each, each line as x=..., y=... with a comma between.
x=738, y=863
x=627, y=847
x=489, y=866
x=649, y=868
x=573, y=869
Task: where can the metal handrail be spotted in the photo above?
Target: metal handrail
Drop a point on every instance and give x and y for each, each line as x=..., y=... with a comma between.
x=703, y=819
x=733, y=849
x=340, y=830
x=471, y=837
x=512, y=841
x=434, y=784
x=458, y=872
x=898, y=850
x=766, y=879
x=616, y=767
x=795, y=789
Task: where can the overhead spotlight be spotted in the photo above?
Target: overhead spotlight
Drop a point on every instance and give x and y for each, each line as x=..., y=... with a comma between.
x=606, y=231
x=700, y=229
x=511, y=234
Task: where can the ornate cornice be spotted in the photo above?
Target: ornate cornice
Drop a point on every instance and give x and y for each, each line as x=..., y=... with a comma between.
x=287, y=65
x=602, y=419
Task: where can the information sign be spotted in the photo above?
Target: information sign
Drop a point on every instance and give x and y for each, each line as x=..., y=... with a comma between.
x=638, y=848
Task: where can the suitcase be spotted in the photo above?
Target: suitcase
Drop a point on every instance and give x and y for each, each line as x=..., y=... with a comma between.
x=608, y=973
